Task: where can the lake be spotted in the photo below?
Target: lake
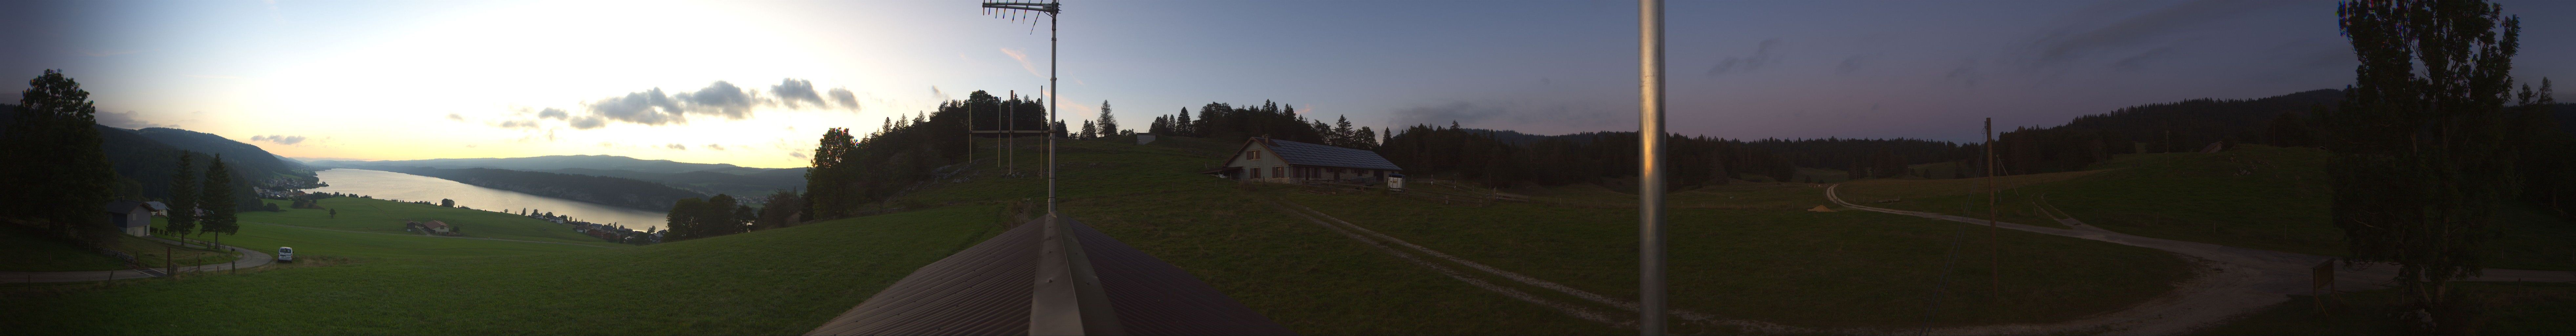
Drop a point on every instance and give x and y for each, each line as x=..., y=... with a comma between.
x=408, y=187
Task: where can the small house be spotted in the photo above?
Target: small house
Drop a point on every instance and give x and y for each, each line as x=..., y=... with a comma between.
x=158, y=208
x=1281, y=161
x=435, y=226
x=134, y=218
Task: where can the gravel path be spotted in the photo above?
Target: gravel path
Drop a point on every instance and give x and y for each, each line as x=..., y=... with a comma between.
x=2230, y=282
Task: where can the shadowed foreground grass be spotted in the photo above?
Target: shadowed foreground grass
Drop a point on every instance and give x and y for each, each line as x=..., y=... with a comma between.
x=780, y=281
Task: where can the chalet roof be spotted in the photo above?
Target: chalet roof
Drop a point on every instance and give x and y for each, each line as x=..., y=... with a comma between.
x=434, y=224
x=123, y=207
x=1306, y=154
x=157, y=206
x=987, y=290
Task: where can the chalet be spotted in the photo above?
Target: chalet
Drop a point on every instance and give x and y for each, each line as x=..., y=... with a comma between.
x=158, y=208
x=1281, y=161
x=134, y=218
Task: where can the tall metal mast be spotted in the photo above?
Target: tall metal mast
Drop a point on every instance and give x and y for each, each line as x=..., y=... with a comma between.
x=1650, y=173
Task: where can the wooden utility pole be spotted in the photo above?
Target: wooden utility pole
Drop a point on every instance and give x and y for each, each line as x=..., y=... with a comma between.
x=168, y=263
x=1994, y=241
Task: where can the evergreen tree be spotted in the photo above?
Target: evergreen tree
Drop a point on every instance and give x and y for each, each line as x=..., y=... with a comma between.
x=2419, y=159
x=183, y=198
x=1089, y=130
x=218, y=200
x=1108, y=123
x=1181, y=124
x=58, y=174
x=1343, y=135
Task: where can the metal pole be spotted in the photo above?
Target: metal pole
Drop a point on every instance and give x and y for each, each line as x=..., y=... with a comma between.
x=1051, y=98
x=1650, y=174
x=1994, y=245
x=1013, y=126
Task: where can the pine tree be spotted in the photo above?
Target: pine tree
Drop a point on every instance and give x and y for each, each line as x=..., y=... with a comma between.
x=1108, y=123
x=218, y=200
x=183, y=198
x=1342, y=134
x=1089, y=131
x=1181, y=124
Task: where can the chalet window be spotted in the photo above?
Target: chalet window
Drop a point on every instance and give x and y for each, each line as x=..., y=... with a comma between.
x=1252, y=155
x=1278, y=172
x=1256, y=173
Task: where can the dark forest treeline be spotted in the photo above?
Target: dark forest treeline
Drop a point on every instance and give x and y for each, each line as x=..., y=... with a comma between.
x=623, y=192
x=2161, y=128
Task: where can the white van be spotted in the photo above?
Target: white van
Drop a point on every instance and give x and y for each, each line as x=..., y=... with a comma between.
x=285, y=254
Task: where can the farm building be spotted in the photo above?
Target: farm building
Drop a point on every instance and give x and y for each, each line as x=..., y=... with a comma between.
x=429, y=226
x=158, y=208
x=134, y=218
x=1281, y=161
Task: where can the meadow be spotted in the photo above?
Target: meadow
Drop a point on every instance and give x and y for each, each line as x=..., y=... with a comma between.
x=2253, y=196
x=779, y=281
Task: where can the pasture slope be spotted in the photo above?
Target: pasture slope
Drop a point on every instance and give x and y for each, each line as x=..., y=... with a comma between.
x=781, y=281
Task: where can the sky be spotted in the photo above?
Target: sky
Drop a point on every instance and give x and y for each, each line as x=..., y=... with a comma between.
x=757, y=83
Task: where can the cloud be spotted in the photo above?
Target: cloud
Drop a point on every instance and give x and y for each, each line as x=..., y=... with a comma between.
x=715, y=147
x=553, y=113
x=796, y=154
x=517, y=124
x=720, y=98
x=1853, y=64
x=847, y=99
x=126, y=120
x=796, y=93
x=649, y=107
x=1762, y=56
x=586, y=122
x=1023, y=57
x=279, y=139
x=453, y=116
x=2084, y=38
x=1966, y=72
x=677, y=146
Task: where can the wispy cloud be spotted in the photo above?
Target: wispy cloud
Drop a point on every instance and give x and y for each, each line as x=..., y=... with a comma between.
x=1023, y=57
x=715, y=146
x=1763, y=55
x=456, y=117
x=279, y=139
x=676, y=146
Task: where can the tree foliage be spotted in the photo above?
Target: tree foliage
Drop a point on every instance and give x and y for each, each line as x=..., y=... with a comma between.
x=217, y=199
x=2420, y=150
x=55, y=169
x=183, y=198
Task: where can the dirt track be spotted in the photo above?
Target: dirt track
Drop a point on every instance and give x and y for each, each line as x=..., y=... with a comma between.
x=2230, y=282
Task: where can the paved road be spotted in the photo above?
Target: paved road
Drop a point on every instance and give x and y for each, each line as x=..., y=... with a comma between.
x=250, y=259
x=2234, y=280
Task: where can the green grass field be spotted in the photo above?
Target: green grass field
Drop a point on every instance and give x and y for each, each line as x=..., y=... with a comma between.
x=2252, y=196
x=1758, y=257
x=781, y=281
